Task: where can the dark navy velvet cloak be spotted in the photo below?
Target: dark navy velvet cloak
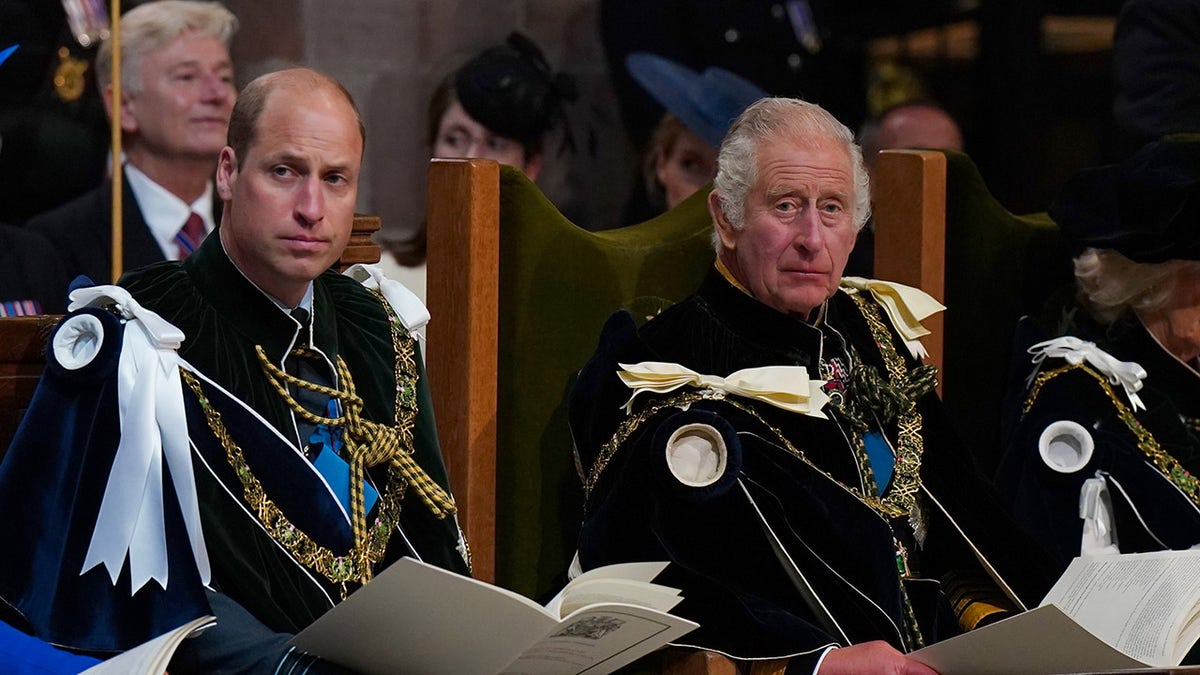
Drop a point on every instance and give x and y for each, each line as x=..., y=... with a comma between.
x=1151, y=513
x=734, y=584
x=54, y=475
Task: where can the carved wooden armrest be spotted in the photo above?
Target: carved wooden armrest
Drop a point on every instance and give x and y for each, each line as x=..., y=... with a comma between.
x=678, y=661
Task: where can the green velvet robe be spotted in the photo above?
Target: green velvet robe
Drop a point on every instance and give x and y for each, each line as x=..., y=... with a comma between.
x=224, y=317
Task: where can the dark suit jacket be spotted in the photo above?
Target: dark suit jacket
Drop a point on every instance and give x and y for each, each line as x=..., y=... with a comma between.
x=29, y=270
x=81, y=232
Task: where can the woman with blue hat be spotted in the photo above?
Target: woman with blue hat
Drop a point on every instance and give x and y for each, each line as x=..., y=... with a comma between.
x=682, y=155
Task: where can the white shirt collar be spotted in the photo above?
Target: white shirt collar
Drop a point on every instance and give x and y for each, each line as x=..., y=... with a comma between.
x=305, y=302
x=165, y=213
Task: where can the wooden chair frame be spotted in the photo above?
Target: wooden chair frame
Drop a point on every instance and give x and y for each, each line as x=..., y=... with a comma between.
x=462, y=360
x=910, y=231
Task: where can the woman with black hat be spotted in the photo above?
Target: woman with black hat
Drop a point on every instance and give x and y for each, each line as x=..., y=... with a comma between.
x=500, y=105
x=1104, y=451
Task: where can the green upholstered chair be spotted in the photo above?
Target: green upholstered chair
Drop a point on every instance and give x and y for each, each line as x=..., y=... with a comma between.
x=518, y=295
x=939, y=228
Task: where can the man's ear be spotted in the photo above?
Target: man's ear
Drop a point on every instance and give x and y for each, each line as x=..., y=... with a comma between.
x=129, y=122
x=227, y=168
x=725, y=229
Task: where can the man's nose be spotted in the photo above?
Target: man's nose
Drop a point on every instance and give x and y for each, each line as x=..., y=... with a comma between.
x=310, y=202
x=809, y=232
x=216, y=88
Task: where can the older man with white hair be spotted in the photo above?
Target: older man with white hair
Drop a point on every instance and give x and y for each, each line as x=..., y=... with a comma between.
x=177, y=92
x=776, y=437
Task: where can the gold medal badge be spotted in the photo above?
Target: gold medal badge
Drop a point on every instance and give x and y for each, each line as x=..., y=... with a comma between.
x=68, y=77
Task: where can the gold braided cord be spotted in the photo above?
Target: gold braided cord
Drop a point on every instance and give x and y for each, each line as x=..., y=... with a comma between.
x=367, y=443
x=356, y=566
x=1167, y=465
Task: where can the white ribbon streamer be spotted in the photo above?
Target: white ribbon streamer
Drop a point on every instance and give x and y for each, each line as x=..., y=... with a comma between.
x=1099, y=526
x=153, y=427
x=408, y=307
x=905, y=306
x=1127, y=374
x=786, y=387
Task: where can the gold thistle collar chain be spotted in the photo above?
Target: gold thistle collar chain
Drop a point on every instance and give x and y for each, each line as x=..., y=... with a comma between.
x=906, y=481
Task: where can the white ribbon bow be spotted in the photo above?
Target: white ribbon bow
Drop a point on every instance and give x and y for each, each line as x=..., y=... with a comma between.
x=408, y=307
x=153, y=427
x=786, y=387
x=905, y=306
x=1128, y=374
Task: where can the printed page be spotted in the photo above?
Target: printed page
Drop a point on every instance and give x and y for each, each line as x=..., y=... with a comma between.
x=1038, y=642
x=1137, y=602
x=151, y=657
x=600, y=639
x=422, y=620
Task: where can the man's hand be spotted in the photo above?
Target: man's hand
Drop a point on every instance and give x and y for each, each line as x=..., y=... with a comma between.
x=871, y=657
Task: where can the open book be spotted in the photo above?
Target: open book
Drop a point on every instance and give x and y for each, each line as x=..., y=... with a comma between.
x=150, y=657
x=1106, y=613
x=420, y=619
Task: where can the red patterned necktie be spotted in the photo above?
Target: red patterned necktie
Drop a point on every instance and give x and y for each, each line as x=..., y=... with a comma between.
x=190, y=235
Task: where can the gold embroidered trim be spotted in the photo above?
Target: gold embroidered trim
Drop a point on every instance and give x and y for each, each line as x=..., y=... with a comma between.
x=406, y=392
x=1167, y=465
x=630, y=425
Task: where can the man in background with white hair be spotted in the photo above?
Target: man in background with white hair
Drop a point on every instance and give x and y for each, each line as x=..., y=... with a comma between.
x=177, y=91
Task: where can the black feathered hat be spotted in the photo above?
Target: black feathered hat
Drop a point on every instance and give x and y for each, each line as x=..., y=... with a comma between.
x=1146, y=208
